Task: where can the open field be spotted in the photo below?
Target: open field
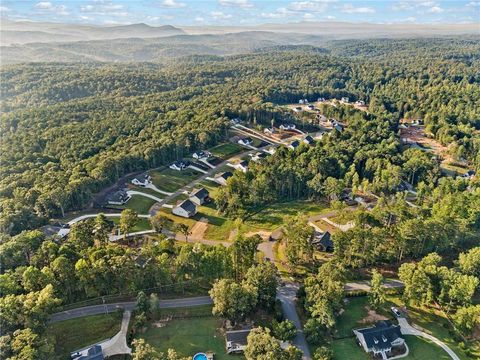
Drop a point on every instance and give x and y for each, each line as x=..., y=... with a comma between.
x=140, y=204
x=226, y=150
x=142, y=224
x=71, y=335
x=171, y=180
x=199, y=331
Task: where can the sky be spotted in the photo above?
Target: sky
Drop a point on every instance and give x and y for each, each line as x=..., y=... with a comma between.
x=240, y=12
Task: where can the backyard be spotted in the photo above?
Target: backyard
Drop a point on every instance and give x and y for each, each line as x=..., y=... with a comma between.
x=141, y=225
x=74, y=334
x=194, y=330
x=171, y=180
x=226, y=150
x=140, y=204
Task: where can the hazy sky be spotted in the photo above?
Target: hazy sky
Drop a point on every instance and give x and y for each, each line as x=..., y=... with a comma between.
x=241, y=12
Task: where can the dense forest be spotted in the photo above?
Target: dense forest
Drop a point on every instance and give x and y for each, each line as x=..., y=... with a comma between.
x=69, y=130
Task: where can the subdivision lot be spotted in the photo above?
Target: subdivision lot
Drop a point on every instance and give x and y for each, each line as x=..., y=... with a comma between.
x=171, y=180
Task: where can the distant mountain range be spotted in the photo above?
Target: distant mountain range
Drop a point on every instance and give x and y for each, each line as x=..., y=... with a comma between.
x=25, y=41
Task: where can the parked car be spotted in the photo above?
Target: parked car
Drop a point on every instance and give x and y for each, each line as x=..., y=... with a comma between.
x=396, y=311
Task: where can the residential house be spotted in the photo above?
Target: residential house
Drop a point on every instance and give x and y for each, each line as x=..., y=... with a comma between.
x=236, y=341
x=201, y=154
x=185, y=209
x=345, y=100
x=118, y=197
x=294, y=144
x=308, y=140
x=259, y=156
x=338, y=127
x=180, y=165
x=222, y=178
x=360, y=103
x=311, y=107
x=322, y=241
x=93, y=353
x=200, y=196
x=242, y=166
x=271, y=150
x=303, y=101
x=297, y=109
x=245, y=141
x=142, y=180
x=235, y=121
x=380, y=339
x=269, y=131
x=469, y=174
x=287, y=126
x=321, y=99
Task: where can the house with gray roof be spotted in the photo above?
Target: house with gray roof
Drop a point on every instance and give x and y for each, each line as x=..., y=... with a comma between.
x=200, y=196
x=236, y=341
x=380, y=339
x=185, y=209
x=118, y=197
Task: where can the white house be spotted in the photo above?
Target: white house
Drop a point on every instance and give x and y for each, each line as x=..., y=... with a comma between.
x=142, y=180
x=259, y=156
x=242, y=166
x=345, y=100
x=321, y=99
x=185, y=209
x=303, y=101
x=287, y=126
x=221, y=178
x=294, y=144
x=179, y=165
x=269, y=131
x=360, y=103
x=236, y=341
x=200, y=196
x=297, y=109
x=245, y=141
x=201, y=154
x=380, y=339
x=271, y=150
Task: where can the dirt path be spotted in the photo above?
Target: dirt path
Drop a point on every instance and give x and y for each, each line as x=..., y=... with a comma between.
x=198, y=230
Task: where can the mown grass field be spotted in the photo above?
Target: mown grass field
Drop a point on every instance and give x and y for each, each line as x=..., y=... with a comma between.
x=171, y=180
x=71, y=335
x=140, y=204
x=226, y=150
x=199, y=331
x=142, y=224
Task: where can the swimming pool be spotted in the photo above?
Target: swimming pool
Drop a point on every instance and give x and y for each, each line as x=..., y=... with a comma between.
x=200, y=356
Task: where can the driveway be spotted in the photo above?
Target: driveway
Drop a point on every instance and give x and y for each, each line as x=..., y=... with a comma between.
x=139, y=193
x=408, y=329
x=287, y=295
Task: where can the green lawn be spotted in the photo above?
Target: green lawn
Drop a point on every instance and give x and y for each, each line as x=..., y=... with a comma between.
x=188, y=336
x=226, y=150
x=435, y=324
x=171, y=180
x=142, y=224
x=354, y=312
x=140, y=204
x=421, y=348
x=348, y=349
x=148, y=191
x=71, y=335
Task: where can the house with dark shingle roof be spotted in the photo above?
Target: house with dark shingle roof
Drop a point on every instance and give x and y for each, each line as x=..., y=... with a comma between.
x=380, y=339
x=308, y=140
x=185, y=209
x=294, y=144
x=323, y=241
x=236, y=340
x=200, y=196
x=222, y=178
x=119, y=197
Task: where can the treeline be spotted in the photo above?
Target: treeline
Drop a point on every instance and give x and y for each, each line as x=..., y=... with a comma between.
x=69, y=130
x=39, y=274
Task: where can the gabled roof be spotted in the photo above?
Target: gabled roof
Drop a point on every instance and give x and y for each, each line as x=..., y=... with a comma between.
x=237, y=336
x=243, y=163
x=308, y=139
x=295, y=143
x=323, y=239
x=224, y=175
x=380, y=336
x=201, y=193
x=188, y=206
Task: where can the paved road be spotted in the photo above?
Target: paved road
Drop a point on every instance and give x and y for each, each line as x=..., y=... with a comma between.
x=408, y=329
x=130, y=305
x=287, y=294
x=365, y=285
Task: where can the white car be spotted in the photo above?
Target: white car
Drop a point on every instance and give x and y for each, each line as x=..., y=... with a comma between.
x=396, y=311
